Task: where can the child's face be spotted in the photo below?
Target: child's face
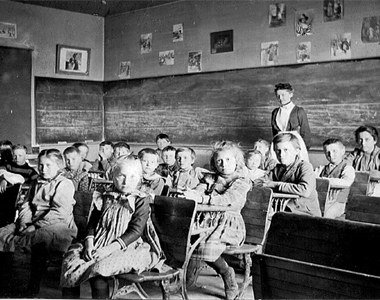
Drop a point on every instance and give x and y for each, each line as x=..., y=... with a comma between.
x=105, y=151
x=47, y=167
x=334, y=153
x=225, y=162
x=119, y=151
x=19, y=156
x=253, y=162
x=127, y=178
x=263, y=149
x=284, y=96
x=73, y=160
x=83, y=152
x=366, y=142
x=286, y=152
x=168, y=157
x=184, y=160
x=162, y=143
x=149, y=163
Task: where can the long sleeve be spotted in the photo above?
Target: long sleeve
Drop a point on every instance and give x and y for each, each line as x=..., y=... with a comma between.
x=61, y=205
x=137, y=223
x=346, y=179
x=304, y=181
x=304, y=127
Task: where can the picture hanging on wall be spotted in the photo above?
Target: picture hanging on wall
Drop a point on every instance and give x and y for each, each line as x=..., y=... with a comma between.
x=269, y=53
x=303, y=52
x=341, y=46
x=73, y=60
x=332, y=10
x=222, y=41
x=146, y=43
x=371, y=30
x=194, y=63
x=125, y=69
x=8, y=30
x=178, y=32
x=304, y=22
x=277, y=15
x=166, y=58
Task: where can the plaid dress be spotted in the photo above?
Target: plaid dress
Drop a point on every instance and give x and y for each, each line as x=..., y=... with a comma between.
x=230, y=229
x=115, y=218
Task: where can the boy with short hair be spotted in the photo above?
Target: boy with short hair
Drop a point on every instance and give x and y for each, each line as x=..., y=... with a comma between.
x=83, y=150
x=169, y=166
x=73, y=171
x=162, y=140
x=121, y=148
x=186, y=177
x=339, y=171
x=152, y=183
x=106, y=158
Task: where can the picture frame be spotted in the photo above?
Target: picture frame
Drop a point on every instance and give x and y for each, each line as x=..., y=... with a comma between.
x=73, y=60
x=222, y=41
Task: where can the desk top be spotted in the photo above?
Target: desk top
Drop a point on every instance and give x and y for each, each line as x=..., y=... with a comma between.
x=207, y=207
x=285, y=195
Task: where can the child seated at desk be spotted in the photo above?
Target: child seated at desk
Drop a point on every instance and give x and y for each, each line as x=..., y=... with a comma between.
x=152, y=183
x=162, y=140
x=169, y=166
x=115, y=242
x=267, y=163
x=339, y=172
x=228, y=186
x=86, y=165
x=253, y=159
x=293, y=176
x=186, y=177
x=72, y=171
x=106, y=158
x=121, y=148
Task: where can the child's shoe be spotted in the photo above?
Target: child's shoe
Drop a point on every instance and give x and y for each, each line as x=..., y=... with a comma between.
x=230, y=285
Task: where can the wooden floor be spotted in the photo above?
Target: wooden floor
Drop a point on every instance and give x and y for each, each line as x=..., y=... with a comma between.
x=14, y=276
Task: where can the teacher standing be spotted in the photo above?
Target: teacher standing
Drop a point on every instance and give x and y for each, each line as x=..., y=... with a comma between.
x=288, y=116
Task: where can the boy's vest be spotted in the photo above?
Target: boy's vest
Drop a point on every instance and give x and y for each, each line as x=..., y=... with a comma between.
x=337, y=173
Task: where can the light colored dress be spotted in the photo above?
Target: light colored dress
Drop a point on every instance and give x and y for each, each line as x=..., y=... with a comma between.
x=50, y=210
x=124, y=219
x=230, y=230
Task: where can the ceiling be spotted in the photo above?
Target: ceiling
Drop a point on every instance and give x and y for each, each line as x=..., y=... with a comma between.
x=101, y=8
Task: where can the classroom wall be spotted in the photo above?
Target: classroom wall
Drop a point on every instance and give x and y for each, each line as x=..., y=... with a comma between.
x=249, y=21
x=41, y=29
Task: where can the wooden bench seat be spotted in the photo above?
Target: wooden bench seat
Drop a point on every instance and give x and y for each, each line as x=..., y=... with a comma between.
x=308, y=257
x=363, y=208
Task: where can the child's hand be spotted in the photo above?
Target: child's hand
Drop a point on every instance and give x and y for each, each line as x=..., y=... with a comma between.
x=27, y=229
x=88, y=249
x=3, y=185
x=191, y=194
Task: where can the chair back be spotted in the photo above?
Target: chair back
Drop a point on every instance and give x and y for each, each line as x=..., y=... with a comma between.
x=363, y=209
x=360, y=184
x=81, y=212
x=255, y=214
x=323, y=188
x=173, y=220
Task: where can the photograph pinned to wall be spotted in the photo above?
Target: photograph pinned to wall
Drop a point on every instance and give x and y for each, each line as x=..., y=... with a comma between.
x=277, y=15
x=73, y=60
x=341, y=46
x=8, y=30
x=222, y=41
x=146, y=43
x=125, y=69
x=303, y=24
x=269, y=53
x=194, y=63
x=178, y=32
x=303, y=52
x=166, y=58
x=332, y=10
x=371, y=30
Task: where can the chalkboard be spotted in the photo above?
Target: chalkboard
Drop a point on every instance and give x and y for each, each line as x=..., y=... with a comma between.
x=15, y=95
x=68, y=110
x=237, y=105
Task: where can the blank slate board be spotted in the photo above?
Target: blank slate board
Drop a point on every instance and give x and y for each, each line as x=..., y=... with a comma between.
x=68, y=110
x=201, y=108
x=15, y=95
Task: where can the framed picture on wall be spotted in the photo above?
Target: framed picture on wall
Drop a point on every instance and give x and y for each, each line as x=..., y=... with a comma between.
x=73, y=60
x=222, y=41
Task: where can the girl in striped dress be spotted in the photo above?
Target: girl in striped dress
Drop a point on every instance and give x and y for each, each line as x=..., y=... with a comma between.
x=228, y=186
x=114, y=243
